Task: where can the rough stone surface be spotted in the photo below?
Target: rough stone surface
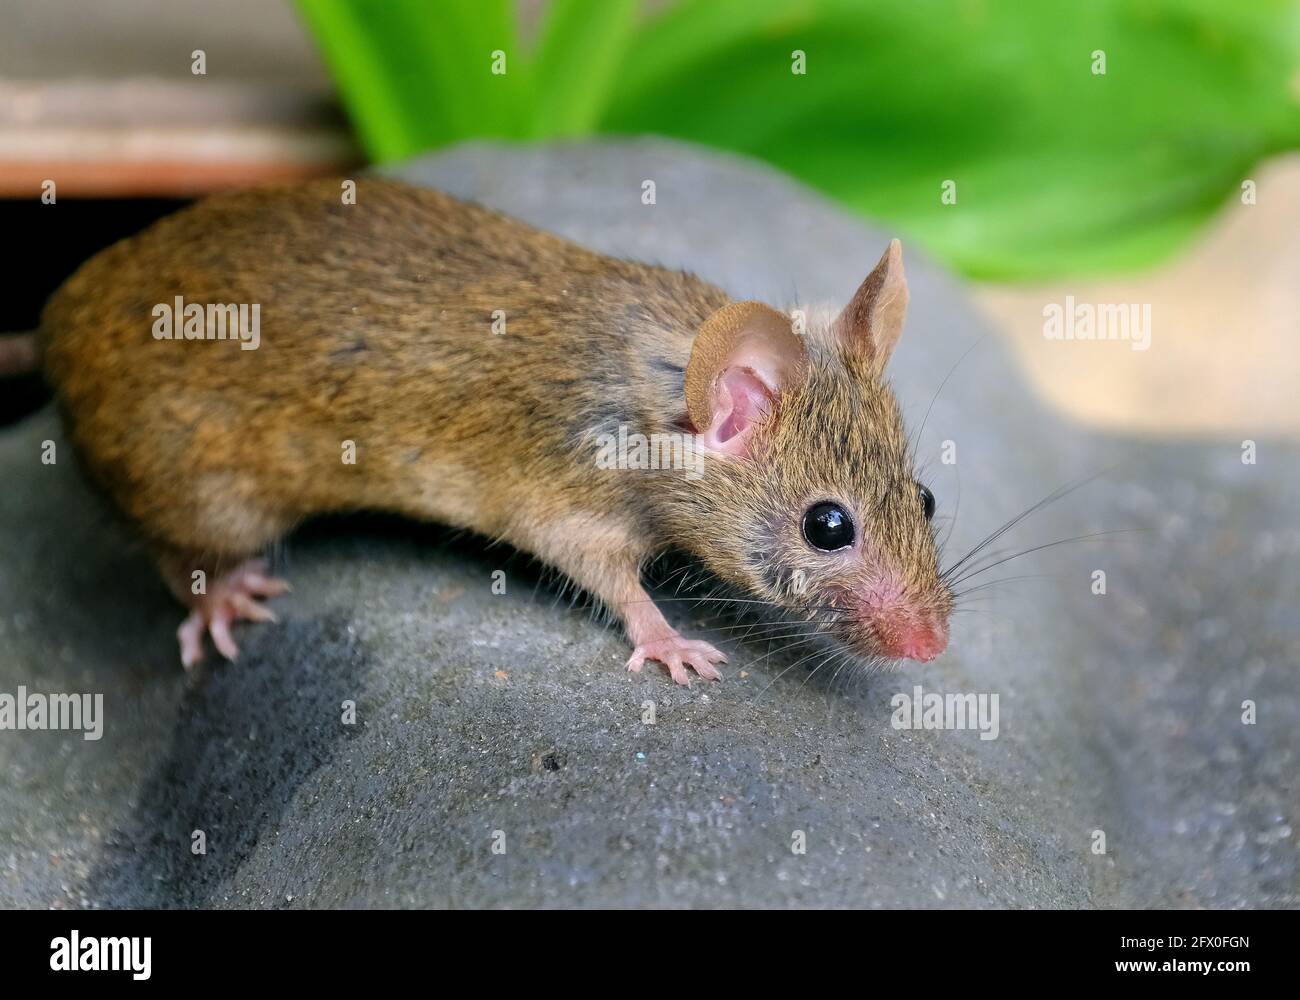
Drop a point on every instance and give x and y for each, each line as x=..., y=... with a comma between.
x=477, y=713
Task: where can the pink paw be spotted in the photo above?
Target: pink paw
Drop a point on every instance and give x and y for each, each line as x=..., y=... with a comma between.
x=676, y=653
x=229, y=599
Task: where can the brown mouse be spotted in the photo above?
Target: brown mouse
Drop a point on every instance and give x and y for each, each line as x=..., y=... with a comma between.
x=484, y=374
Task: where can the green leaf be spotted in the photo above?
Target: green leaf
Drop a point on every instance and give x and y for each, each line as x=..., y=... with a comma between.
x=1056, y=168
x=417, y=74
x=581, y=49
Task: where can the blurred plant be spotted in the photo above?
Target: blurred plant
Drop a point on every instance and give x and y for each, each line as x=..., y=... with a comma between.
x=1055, y=167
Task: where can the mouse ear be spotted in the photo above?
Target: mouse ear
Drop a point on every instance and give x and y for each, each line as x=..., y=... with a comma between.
x=745, y=355
x=872, y=321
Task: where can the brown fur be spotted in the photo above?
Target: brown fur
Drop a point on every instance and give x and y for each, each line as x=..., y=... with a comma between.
x=835, y=435
x=376, y=328
x=718, y=340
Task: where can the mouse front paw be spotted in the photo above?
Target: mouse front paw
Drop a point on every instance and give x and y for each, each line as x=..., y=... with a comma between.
x=676, y=653
x=231, y=598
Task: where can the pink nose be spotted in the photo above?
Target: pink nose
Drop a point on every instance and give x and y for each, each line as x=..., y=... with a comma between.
x=910, y=638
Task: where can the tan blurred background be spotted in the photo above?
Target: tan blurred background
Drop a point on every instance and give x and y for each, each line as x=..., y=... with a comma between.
x=1224, y=358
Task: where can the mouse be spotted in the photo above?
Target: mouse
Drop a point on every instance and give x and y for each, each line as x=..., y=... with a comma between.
x=269, y=355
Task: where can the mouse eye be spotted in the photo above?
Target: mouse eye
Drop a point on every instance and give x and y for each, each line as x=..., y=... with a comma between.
x=927, y=501
x=827, y=526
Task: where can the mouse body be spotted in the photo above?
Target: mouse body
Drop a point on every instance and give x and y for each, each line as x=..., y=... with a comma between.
x=269, y=355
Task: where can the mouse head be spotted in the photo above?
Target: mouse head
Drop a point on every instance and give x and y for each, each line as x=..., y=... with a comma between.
x=810, y=500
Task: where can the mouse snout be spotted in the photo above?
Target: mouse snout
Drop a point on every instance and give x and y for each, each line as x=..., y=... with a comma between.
x=901, y=630
x=911, y=637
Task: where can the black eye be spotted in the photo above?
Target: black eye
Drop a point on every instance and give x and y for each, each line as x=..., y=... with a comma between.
x=927, y=500
x=828, y=527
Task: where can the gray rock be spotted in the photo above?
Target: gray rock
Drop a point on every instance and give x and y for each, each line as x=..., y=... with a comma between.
x=477, y=713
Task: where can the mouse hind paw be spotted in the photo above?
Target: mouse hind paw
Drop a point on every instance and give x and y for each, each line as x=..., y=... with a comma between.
x=232, y=597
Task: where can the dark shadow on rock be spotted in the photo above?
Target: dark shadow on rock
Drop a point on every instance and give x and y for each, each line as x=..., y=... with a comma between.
x=246, y=737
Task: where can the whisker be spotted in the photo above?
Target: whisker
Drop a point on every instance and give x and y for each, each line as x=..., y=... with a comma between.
x=802, y=659
x=781, y=649
x=993, y=583
x=952, y=525
x=1051, y=498
x=916, y=441
x=725, y=600
x=829, y=656
x=757, y=628
x=1039, y=548
x=846, y=657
